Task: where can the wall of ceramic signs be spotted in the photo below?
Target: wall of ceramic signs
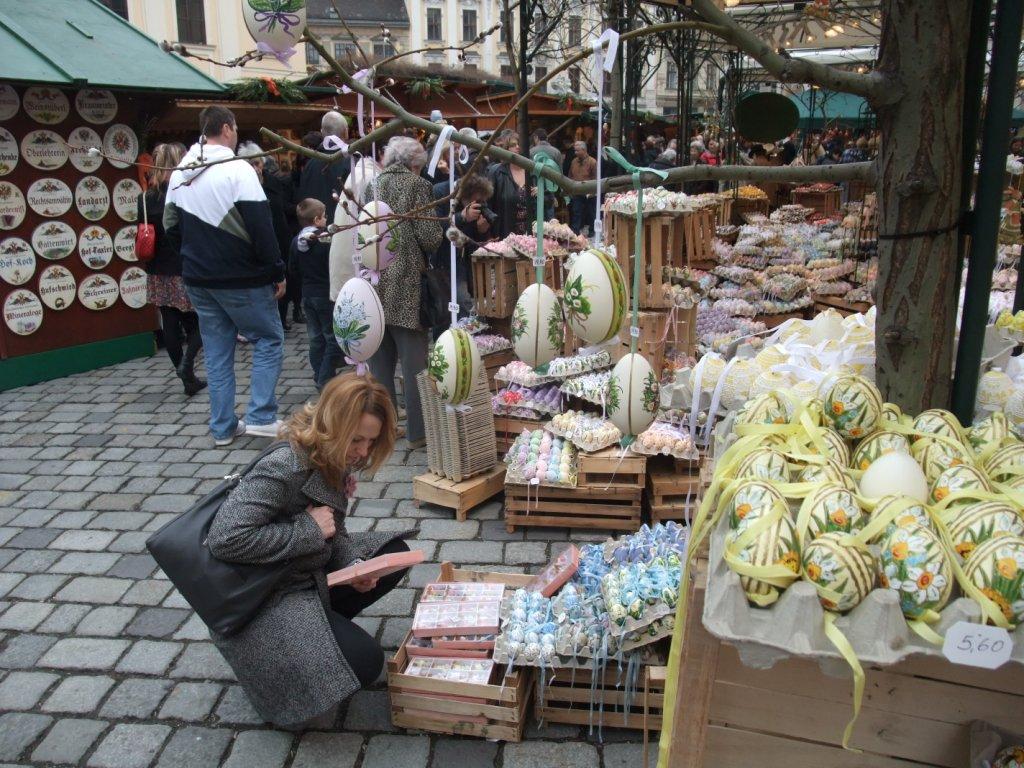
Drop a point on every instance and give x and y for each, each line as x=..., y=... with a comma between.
x=68, y=271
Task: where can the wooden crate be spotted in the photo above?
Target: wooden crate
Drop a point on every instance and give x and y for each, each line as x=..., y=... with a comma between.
x=773, y=321
x=842, y=306
x=494, y=285
x=615, y=509
x=461, y=497
x=508, y=428
x=825, y=203
x=663, y=247
x=747, y=205
x=673, y=494
x=493, y=362
x=419, y=703
x=654, y=342
x=608, y=468
x=573, y=698
x=723, y=212
x=915, y=714
x=698, y=234
x=526, y=275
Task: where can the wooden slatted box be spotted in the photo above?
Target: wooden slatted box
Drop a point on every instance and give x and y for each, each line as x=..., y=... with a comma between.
x=674, y=493
x=494, y=285
x=571, y=697
x=664, y=246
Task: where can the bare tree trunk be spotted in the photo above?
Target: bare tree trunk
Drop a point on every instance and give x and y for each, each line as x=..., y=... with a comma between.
x=923, y=54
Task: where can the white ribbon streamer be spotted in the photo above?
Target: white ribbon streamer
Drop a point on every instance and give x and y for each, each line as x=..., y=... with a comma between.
x=602, y=63
x=716, y=399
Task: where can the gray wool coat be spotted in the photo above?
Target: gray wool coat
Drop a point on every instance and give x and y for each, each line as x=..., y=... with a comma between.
x=286, y=658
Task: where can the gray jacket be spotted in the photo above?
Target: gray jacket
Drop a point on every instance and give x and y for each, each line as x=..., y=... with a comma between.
x=286, y=658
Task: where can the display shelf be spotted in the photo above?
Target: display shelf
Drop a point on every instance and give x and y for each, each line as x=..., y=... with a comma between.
x=616, y=509
x=842, y=306
x=493, y=362
x=612, y=467
x=673, y=495
x=459, y=496
x=825, y=202
x=508, y=428
x=698, y=234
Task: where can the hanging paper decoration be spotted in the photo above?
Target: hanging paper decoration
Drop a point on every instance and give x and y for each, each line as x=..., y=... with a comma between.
x=275, y=25
x=358, y=322
x=453, y=365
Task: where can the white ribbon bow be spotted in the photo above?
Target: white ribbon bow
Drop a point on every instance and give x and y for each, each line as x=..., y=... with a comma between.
x=442, y=139
x=436, y=156
x=334, y=143
x=365, y=76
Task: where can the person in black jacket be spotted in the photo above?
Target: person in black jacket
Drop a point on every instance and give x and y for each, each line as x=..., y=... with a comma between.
x=310, y=260
x=514, y=199
x=320, y=180
x=166, y=290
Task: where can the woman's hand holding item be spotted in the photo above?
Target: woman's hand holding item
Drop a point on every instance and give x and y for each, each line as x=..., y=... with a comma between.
x=324, y=518
x=364, y=585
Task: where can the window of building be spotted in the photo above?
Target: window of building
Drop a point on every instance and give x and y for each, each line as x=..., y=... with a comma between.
x=312, y=56
x=434, y=25
x=575, y=31
x=120, y=7
x=710, y=81
x=191, y=21
x=507, y=73
x=345, y=52
x=382, y=47
x=574, y=79
x=468, y=24
x=671, y=76
x=539, y=73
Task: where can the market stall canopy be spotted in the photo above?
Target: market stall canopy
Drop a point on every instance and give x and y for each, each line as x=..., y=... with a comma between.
x=80, y=42
x=815, y=105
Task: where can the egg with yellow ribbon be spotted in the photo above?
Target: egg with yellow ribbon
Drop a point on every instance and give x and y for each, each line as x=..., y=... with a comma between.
x=764, y=463
x=936, y=455
x=768, y=408
x=828, y=472
x=836, y=447
x=891, y=413
x=901, y=512
x=962, y=477
x=878, y=444
x=913, y=562
x=841, y=569
x=830, y=508
x=1005, y=463
x=990, y=434
x=938, y=421
x=853, y=405
x=776, y=545
x=974, y=524
x=996, y=568
x=751, y=500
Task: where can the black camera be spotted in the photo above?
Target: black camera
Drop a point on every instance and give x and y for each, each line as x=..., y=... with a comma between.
x=488, y=214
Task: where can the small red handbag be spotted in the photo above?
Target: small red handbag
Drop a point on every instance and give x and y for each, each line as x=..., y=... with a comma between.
x=145, y=236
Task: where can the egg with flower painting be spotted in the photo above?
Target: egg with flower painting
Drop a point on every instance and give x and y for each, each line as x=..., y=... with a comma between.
x=358, y=320
x=878, y=444
x=841, y=569
x=827, y=472
x=537, y=326
x=752, y=500
x=956, y=479
x=595, y=296
x=275, y=25
x=764, y=463
x=913, y=563
x=1011, y=757
x=830, y=508
x=1007, y=462
x=835, y=447
x=453, y=366
x=900, y=512
x=990, y=434
x=891, y=413
x=772, y=554
x=936, y=455
x=853, y=405
x=996, y=567
x=938, y=421
x=376, y=236
x=974, y=524
x=632, y=401
x=768, y=408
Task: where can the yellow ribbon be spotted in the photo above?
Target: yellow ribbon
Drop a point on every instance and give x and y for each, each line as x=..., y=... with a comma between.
x=846, y=651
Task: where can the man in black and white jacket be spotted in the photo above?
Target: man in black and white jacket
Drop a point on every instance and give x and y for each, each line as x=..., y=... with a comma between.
x=218, y=215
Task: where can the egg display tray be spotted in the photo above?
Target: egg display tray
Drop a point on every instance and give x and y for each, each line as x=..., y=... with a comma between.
x=794, y=626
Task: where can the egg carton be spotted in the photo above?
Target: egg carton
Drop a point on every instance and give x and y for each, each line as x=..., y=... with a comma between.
x=795, y=624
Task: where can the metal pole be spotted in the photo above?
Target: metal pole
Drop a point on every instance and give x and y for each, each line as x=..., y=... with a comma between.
x=1002, y=83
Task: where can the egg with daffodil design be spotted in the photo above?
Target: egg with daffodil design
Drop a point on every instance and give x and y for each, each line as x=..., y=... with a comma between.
x=1005, y=463
x=836, y=447
x=990, y=434
x=830, y=508
x=1011, y=757
x=767, y=408
x=902, y=512
x=752, y=499
x=828, y=472
x=764, y=463
x=958, y=478
x=938, y=421
x=936, y=455
x=853, y=405
x=996, y=567
x=878, y=444
x=840, y=568
x=973, y=524
x=776, y=545
x=891, y=413
x=913, y=563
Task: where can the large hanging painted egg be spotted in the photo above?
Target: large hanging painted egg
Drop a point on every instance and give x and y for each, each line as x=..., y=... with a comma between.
x=829, y=472
x=275, y=25
x=775, y=545
x=936, y=456
x=989, y=435
x=632, y=395
x=841, y=569
x=976, y=523
x=1005, y=463
x=453, y=365
x=764, y=464
x=1011, y=757
x=537, y=326
x=358, y=320
x=830, y=508
x=901, y=512
x=962, y=477
x=854, y=407
x=938, y=421
x=595, y=297
x=878, y=444
x=376, y=241
x=768, y=408
x=752, y=500
x=913, y=562
x=894, y=473
x=997, y=569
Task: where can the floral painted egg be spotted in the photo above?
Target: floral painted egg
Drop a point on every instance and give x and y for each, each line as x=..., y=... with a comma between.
x=938, y=421
x=891, y=413
x=1011, y=757
x=377, y=241
x=854, y=406
x=764, y=464
x=902, y=512
x=752, y=500
x=913, y=562
x=894, y=473
x=595, y=296
x=775, y=545
x=997, y=569
x=878, y=444
x=633, y=390
x=738, y=379
x=453, y=365
x=275, y=25
x=994, y=389
x=1005, y=463
x=962, y=477
x=768, y=408
x=769, y=381
x=829, y=472
x=841, y=569
x=358, y=320
x=838, y=450
x=976, y=523
x=990, y=434
x=936, y=456
x=830, y=508
x=537, y=326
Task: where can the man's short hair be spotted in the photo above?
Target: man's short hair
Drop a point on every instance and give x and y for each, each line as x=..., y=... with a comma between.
x=473, y=187
x=213, y=119
x=309, y=210
x=539, y=135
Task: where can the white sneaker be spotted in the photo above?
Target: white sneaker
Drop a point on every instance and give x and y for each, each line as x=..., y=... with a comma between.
x=264, y=430
x=239, y=431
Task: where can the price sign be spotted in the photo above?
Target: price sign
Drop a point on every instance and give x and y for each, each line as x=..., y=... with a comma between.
x=634, y=331
x=539, y=261
x=453, y=306
x=977, y=645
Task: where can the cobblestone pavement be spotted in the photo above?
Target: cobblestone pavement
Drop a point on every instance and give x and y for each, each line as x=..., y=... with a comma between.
x=102, y=662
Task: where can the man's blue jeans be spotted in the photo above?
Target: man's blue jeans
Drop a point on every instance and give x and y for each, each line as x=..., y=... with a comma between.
x=223, y=314
x=324, y=353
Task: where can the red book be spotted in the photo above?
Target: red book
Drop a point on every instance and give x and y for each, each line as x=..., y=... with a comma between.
x=375, y=567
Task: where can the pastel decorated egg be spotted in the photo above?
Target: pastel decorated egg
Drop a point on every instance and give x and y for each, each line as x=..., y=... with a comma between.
x=632, y=401
x=841, y=569
x=453, y=365
x=837, y=448
x=738, y=379
x=595, y=296
x=276, y=27
x=752, y=500
x=830, y=508
x=976, y=523
x=764, y=463
x=358, y=320
x=913, y=562
x=854, y=406
x=768, y=408
x=826, y=326
x=901, y=512
x=878, y=444
x=1006, y=463
x=375, y=239
x=1014, y=407
x=894, y=473
x=938, y=421
x=994, y=389
x=997, y=569
x=712, y=366
x=775, y=545
x=961, y=477
x=829, y=472
x=989, y=435
x=773, y=354
x=1011, y=757
x=769, y=381
x=805, y=389
x=537, y=326
x=891, y=413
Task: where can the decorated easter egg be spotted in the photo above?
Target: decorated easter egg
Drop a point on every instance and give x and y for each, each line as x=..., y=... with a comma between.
x=773, y=354
x=1005, y=463
x=997, y=569
x=453, y=365
x=894, y=473
x=775, y=545
x=376, y=240
x=769, y=381
x=768, y=408
x=595, y=296
x=738, y=379
x=764, y=463
x=891, y=413
x=830, y=508
x=901, y=512
x=632, y=401
x=990, y=434
x=938, y=421
x=358, y=320
x=804, y=389
x=913, y=562
x=711, y=366
x=829, y=472
x=1011, y=757
x=1014, y=407
x=854, y=406
x=878, y=444
x=752, y=500
x=841, y=569
x=961, y=477
x=937, y=455
x=837, y=448
x=976, y=523
x=994, y=389
x=825, y=326
x=537, y=326
x=275, y=25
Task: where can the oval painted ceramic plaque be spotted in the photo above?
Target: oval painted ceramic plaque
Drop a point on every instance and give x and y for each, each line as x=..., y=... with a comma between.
x=9, y=102
x=23, y=313
x=124, y=243
x=133, y=287
x=98, y=292
x=120, y=145
x=126, y=197
x=54, y=240
x=80, y=142
x=57, y=287
x=46, y=105
x=44, y=150
x=95, y=247
x=17, y=262
x=96, y=105
x=12, y=205
x=50, y=197
x=92, y=198
x=9, y=154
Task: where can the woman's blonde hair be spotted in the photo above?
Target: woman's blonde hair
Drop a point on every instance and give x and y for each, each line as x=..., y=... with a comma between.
x=165, y=156
x=324, y=429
